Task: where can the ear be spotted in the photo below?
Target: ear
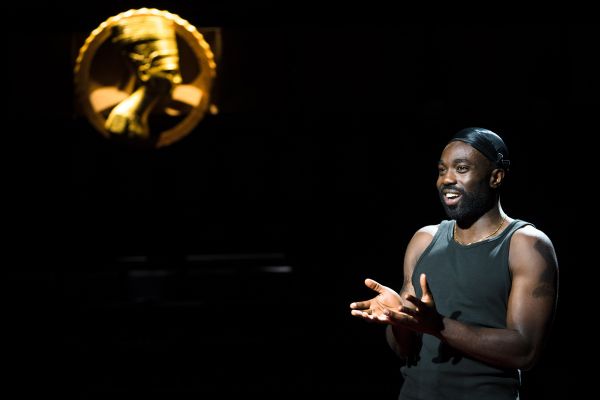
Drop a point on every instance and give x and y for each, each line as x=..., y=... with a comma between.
x=496, y=178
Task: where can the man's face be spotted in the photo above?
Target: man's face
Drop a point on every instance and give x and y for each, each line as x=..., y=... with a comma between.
x=463, y=182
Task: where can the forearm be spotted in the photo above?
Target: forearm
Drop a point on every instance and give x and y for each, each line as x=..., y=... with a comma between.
x=402, y=341
x=506, y=348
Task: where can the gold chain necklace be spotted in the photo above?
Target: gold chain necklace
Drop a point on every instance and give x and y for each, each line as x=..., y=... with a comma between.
x=483, y=238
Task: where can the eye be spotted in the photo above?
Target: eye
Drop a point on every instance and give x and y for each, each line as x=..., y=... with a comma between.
x=462, y=168
x=441, y=170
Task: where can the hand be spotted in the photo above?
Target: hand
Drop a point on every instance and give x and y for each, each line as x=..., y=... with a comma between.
x=127, y=118
x=422, y=316
x=375, y=308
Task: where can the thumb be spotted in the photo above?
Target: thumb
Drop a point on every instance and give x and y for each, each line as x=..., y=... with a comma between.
x=425, y=288
x=376, y=286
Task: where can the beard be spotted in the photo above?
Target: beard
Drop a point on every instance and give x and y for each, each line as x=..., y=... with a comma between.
x=472, y=204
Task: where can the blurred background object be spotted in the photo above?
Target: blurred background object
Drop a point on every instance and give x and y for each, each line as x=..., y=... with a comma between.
x=145, y=77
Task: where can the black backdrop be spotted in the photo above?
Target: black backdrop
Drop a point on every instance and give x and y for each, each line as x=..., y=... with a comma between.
x=224, y=264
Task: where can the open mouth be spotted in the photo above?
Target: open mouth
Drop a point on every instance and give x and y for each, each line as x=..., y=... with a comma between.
x=451, y=198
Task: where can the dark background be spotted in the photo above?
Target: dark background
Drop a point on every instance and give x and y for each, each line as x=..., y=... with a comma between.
x=223, y=265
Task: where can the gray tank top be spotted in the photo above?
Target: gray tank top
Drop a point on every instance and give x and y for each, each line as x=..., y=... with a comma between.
x=471, y=284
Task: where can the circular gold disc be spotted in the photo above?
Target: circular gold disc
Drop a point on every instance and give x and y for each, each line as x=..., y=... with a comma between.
x=111, y=79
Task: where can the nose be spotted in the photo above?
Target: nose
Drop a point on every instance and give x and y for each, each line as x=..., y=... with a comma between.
x=447, y=178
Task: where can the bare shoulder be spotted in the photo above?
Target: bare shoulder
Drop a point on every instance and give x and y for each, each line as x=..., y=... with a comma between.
x=531, y=246
x=417, y=245
x=422, y=238
x=532, y=238
x=428, y=230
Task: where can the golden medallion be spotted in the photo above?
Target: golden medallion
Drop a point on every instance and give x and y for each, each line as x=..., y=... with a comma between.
x=145, y=77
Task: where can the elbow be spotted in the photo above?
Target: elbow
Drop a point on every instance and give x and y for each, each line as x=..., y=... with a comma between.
x=527, y=353
x=527, y=361
x=526, y=364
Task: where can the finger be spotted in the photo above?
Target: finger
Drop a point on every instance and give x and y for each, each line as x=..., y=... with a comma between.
x=358, y=313
x=414, y=300
x=362, y=314
x=398, y=316
x=361, y=305
x=425, y=288
x=379, y=318
x=383, y=318
x=374, y=285
x=369, y=317
x=408, y=311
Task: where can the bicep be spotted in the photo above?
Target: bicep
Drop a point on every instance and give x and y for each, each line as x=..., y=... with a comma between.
x=534, y=288
x=417, y=245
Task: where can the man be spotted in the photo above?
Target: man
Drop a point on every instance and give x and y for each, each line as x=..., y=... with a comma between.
x=479, y=290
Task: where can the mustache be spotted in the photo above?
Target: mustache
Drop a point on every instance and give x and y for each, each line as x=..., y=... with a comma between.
x=452, y=188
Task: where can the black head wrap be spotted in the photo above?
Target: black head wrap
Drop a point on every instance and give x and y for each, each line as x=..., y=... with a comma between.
x=487, y=143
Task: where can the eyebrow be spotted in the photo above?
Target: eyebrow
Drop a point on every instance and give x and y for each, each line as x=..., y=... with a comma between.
x=457, y=161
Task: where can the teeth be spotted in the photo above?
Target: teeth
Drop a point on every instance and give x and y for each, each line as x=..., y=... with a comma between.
x=451, y=195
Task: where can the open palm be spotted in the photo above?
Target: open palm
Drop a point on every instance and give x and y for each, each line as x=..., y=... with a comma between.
x=377, y=308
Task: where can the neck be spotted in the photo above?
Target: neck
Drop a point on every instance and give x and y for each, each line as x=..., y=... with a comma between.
x=487, y=225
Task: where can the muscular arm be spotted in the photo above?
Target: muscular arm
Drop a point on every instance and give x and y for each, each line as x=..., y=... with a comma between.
x=400, y=339
x=531, y=307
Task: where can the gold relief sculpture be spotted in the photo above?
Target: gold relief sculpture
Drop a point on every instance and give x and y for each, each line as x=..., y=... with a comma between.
x=145, y=76
x=148, y=42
